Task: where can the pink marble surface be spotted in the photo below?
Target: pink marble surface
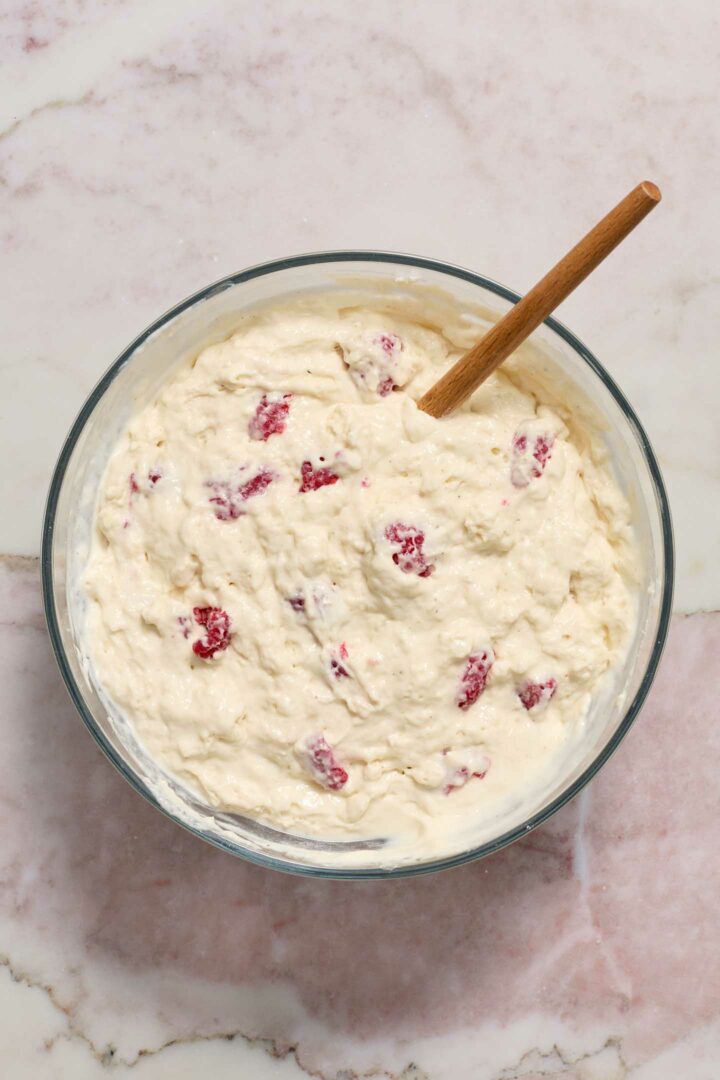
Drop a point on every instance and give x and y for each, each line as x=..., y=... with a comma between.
x=586, y=951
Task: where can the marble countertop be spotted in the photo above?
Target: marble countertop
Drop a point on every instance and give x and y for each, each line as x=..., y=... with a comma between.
x=148, y=147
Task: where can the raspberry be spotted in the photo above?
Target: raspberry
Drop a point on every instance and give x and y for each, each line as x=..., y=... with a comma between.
x=217, y=631
x=228, y=497
x=542, y=451
x=386, y=386
x=410, y=558
x=529, y=463
x=224, y=499
x=373, y=368
x=313, y=601
x=185, y=625
x=317, y=756
x=336, y=667
x=270, y=417
x=312, y=479
x=474, y=678
x=460, y=776
x=257, y=485
x=532, y=694
x=153, y=476
x=389, y=343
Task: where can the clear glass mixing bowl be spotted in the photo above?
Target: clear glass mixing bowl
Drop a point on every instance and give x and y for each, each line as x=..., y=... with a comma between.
x=210, y=316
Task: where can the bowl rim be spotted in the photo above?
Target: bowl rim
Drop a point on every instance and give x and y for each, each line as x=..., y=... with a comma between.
x=287, y=864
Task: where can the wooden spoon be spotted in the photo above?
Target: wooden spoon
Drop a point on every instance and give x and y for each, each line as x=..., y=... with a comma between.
x=473, y=368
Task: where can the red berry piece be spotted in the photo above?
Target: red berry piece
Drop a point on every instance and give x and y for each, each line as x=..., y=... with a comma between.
x=374, y=368
x=227, y=498
x=474, y=678
x=223, y=499
x=270, y=417
x=410, y=557
x=311, y=479
x=532, y=694
x=337, y=666
x=217, y=631
x=460, y=776
x=153, y=476
x=542, y=452
x=318, y=757
x=257, y=485
x=389, y=343
x=386, y=386
x=185, y=625
x=314, y=601
x=529, y=457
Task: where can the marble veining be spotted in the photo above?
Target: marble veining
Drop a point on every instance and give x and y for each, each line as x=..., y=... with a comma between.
x=148, y=147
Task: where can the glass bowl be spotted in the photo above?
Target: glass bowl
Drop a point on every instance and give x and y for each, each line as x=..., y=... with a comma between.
x=210, y=316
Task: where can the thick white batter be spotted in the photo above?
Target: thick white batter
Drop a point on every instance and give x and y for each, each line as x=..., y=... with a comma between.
x=324, y=609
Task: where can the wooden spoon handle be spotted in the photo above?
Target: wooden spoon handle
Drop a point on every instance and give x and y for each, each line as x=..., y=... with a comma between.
x=504, y=337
